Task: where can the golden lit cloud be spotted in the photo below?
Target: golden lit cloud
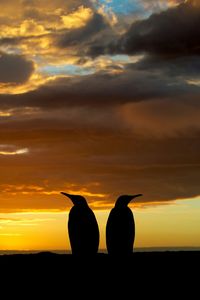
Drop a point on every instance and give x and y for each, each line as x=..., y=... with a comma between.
x=28, y=28
x=39, y=33
x=31, y=28
x=42, y=190
x=15, y=152
x=5, y=114
x=194, y=81
x=86, y=193
x=34, y=82
x=78, y=18
x=22, y=35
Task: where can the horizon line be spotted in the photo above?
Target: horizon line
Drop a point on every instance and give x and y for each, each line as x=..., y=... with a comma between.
x=137, y=249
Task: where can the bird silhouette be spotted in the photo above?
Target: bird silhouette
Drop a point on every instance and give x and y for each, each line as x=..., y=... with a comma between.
x=82, y=227
x=120, y=227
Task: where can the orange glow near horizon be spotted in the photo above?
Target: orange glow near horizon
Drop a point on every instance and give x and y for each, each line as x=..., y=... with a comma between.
x=173, y=225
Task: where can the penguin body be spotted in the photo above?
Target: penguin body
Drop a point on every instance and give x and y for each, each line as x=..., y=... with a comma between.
x=82, y=227
x=120, y=228
x=120, y=231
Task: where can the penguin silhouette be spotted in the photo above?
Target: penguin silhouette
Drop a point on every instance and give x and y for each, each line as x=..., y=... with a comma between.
x=120, y=228
x=82, y=227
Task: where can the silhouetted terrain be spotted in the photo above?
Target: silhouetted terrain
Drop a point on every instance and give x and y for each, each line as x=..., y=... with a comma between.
x=139, y=263
x=151, y=274
x=101, y=260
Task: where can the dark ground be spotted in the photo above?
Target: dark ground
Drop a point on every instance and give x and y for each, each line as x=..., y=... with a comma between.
x=149, y=273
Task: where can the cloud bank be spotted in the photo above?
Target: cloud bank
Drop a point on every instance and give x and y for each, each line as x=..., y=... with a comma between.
x=98, y=106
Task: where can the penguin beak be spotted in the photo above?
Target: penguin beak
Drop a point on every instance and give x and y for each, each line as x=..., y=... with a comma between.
x=65, y=194
x=138, y=195
x=71, y=197
x=131, y=197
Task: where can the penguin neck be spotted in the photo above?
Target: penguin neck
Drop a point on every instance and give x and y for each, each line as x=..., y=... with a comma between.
x=121, y=206
x=82, y=205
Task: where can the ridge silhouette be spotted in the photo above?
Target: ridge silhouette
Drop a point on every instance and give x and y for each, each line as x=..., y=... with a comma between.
x=120, y=227
x=82, y=227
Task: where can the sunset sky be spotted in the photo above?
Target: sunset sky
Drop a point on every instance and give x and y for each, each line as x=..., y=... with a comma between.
x=99, y=98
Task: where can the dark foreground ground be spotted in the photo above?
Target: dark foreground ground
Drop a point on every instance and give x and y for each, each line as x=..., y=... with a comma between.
x=152, y=273
x=167, y=259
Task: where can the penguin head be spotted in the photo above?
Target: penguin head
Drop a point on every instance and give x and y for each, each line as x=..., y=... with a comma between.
x=77, y=200
x=124, y=200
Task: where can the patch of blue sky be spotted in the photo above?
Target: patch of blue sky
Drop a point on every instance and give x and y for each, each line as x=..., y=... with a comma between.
x=124, y=59
x=67, y=69
x=125, y=7
x=121, y=57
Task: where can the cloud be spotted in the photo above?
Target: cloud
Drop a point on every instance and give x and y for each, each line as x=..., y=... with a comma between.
x=163, y=118
x=44, y=190
x=10, y=150
x=15, y=68
x=171, y=33
x=77, y=36
x=180, y=67
x=102, y=88
x=17, y=152
x=162, y=169
x=50, y=31
x=78, y=18
x=12, y=41
x=21, y=6
x=150, y=147
x=158, y=5
x=124, y=125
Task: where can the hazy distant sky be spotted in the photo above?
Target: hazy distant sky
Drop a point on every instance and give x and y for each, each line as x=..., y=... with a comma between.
x=99, y=98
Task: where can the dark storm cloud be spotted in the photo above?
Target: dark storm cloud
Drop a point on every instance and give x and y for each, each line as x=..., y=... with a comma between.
x=171, y=33
x=15, y=68
x=185, y=67
x=102, y=89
